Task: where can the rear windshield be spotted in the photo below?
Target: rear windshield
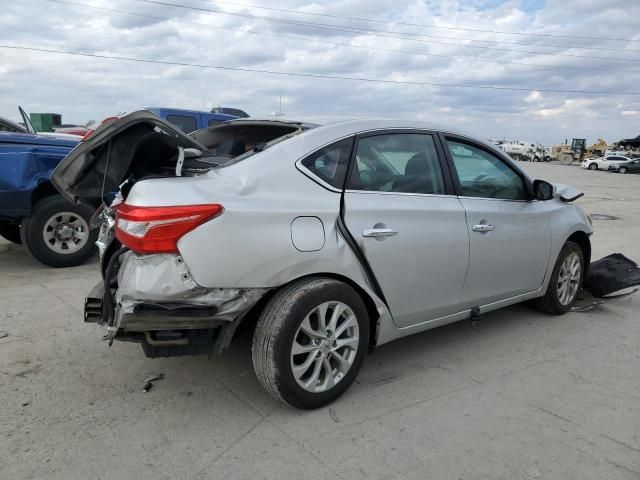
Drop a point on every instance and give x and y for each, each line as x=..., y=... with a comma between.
x=232, y=142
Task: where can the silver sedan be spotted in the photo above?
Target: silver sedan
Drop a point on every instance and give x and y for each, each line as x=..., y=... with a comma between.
x=329, y=239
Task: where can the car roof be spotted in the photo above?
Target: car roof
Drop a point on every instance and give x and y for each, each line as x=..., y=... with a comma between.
x=343, y=128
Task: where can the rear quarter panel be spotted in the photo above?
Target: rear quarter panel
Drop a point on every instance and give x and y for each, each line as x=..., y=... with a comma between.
x=250, y=244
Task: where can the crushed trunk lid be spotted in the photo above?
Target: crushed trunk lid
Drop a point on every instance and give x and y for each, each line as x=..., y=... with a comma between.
x=104, y=158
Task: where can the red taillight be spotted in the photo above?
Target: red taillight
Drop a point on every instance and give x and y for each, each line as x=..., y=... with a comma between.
x=158, y=229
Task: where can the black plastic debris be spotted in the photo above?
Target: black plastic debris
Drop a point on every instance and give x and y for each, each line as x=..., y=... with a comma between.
x=611, y=274
x=149, y=379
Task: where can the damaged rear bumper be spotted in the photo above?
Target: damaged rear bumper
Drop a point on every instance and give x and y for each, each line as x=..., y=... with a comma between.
x=156, y=301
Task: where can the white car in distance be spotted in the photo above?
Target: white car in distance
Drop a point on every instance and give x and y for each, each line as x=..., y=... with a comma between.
x=602, y=163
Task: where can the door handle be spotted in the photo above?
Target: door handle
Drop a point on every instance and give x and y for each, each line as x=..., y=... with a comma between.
x=483, y=227
x=379, y=232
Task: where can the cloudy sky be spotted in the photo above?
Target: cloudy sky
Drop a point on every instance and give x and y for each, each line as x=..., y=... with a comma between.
x=563, y=45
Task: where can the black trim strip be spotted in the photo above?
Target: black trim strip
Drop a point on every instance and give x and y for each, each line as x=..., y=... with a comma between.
x=346, y=234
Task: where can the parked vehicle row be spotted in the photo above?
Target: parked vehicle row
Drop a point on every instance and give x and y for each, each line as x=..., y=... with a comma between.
x=614, y=163
x=335, y=238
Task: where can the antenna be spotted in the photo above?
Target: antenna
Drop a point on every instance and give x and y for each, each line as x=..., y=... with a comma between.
x=279, y=113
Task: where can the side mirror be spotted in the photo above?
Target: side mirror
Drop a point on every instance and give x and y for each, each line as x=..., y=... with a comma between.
x=543, y=190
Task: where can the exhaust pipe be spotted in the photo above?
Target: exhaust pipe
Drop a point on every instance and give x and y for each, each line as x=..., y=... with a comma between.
x=93, y=305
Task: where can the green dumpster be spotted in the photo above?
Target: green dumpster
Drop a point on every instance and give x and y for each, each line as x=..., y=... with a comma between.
x=46, y=122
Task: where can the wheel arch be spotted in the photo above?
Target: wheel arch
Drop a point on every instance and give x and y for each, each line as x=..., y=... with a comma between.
x=43, y=190
x=582, y=239
x=250, y=318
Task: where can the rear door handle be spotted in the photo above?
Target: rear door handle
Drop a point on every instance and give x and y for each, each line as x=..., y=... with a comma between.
x=379, y=232
x=483, y=227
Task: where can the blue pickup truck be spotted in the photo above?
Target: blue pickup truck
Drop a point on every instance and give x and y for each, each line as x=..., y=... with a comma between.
x=33, y=213
x=190, y=120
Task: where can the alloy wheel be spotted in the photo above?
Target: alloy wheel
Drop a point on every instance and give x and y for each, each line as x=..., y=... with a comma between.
x=324, y=346
x=569, y=279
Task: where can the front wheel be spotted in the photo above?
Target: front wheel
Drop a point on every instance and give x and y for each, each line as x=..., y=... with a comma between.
x=622, y=170
x=10, y=231
x=57, y=232
x=593, y=166
x=565, y=281
x=310, y=342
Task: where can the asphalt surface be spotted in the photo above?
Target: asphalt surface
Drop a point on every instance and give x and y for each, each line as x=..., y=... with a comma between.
x=521, y=395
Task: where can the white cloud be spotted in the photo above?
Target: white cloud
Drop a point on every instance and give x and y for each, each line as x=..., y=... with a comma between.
x=89, y=88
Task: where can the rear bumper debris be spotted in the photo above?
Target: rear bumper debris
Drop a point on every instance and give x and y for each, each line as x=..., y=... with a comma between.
x=610, y=274
x=159, y=304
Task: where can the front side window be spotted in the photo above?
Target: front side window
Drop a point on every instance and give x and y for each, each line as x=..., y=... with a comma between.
x=397, y=162
x=330, y=162
x=183, y=122
x=483, y=174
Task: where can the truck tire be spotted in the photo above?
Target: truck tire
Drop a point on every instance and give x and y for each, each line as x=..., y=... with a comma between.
x=566, y=159
x=57, y=232
x=10, y=231
x=310, y=342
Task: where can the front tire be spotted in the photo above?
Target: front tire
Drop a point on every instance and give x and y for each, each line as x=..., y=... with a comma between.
x=10, y=231
x=593, y=166
x=565, y=282
x=57, y=232
x=622, y=170
x=310, y=342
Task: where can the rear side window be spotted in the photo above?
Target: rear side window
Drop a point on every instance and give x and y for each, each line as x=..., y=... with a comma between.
x=330, y=162
x=398, y=162
x=183, y=122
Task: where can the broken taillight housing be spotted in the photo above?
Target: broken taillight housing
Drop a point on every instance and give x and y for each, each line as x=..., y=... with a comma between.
x=158, y=229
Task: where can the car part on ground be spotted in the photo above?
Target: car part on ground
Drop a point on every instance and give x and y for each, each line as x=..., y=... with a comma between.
x=291, y=224
x=611, y=274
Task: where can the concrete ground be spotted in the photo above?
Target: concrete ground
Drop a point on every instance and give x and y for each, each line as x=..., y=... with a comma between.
x=521, y=395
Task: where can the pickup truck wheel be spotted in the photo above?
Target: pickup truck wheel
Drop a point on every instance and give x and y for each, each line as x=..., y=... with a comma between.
x=57, y=232
x=565, y=282
x=10, y=231
x=310, y=342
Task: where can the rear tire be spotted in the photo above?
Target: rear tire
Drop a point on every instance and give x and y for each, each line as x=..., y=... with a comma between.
x=326, y=364
x=52, y=220
x=556, y=300
x=10, y=231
